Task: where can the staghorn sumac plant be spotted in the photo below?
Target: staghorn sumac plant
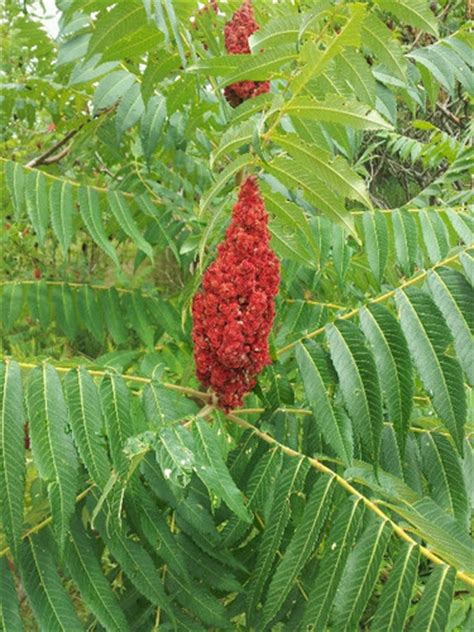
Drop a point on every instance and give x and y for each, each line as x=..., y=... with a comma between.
x=187, y=219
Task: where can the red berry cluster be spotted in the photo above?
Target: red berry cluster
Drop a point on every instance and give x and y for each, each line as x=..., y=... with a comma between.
x=236, y=35
x=234, y=312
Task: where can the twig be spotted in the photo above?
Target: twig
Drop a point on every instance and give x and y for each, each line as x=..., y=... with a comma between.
x=42, y=159
x=452, y=117
x=57, y=157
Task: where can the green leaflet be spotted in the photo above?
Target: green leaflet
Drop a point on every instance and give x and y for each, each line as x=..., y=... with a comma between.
x=393, y=362
x=175, y=455
x=12, y=304
x=435, y=235
x=378, y=38
x=440, y=530
x=39, y=303
x=92, y=215
x=396, y=595
x=258, y=491
x=257, y=67
x=224, y=176
x=323, y=589
x=376, y=242
x=442, y=468
x=115, y=322
x=84, y=564
x=111, y=88
x=130, y=109
x=138, y=318
x=12, y=453
x=428, y=337
x=62, y=209
x=293, y=174
x=240, y=134
x=65, y=310
x=414, y=12
x=334, y=172
x=156, y=70
x=46, y=594
x=337, y=110
x=163, y=405
x=454, y=297
x=335, y=426
x=153, y=525
x=352, y=67
x=312, y=18
x=212, y=470
x=278, y=31
x=52, y=446
x=136, y=563
x=358, y=379
x=209, y=610
x=280, y=391
x=406, y=242
x=91, y=312
x=152, y=124
x=303, y=542
x=121, y=210
x=37, y=203
x=15, y=180
x=360, y=575
x=433, y=610
x=298, y=317
x=152, y=210
x=9, y=611
x=85, y=417
x=435, y=63
x=288, y=29
x=246, y=109
x=463, y=224
x=175, y=30
x=143, y=39
x=204, y=567
x=115, y=400
x=467, y=262
x=116, y=26
x=341, y=254
x=315, y=61
x=383, y=484
x=289, y=244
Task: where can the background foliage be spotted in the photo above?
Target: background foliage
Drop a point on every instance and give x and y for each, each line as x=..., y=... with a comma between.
x=340, y=498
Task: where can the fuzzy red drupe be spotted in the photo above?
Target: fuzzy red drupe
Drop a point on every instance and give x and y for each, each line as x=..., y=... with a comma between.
x=233, y=313
x=236, y=36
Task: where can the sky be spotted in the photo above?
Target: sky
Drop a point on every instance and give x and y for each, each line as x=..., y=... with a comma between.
x=51, y=19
